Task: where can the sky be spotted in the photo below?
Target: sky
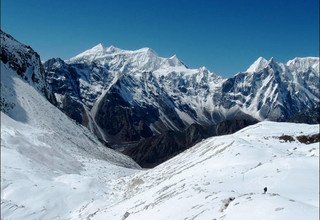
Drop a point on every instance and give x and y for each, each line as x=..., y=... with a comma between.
x=226, y=36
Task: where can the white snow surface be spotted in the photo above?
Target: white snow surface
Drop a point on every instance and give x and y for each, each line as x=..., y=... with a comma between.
x=258, y=65
x=52, y=168
x=198, y=183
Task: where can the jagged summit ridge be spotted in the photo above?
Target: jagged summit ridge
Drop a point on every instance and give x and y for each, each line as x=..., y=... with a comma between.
x=297, y=64
x=141, y=59
x=303, y=63
x=259, y=64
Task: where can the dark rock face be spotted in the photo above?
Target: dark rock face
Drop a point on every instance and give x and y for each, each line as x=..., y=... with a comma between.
x=157, y=149
x=309, y=117
x=152, y=151
x=305, y=139
x=64, y=82
x=26, y=63
x=74, y=109
x=233, y=125
x=309, y=139
x=114, y=116
x=62, y=77
x=123, y=122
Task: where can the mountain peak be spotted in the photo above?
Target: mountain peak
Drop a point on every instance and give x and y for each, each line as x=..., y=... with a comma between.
x=272, y=62
x=97, y=48
x=146, y=50
x=303, y=63
x=203, y=68
x=259, y=64
x=90, y=54
x=175, y=60
x=112, y=49
x=174, y=57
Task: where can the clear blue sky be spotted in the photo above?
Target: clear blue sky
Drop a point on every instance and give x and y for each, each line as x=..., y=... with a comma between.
x=226, y=36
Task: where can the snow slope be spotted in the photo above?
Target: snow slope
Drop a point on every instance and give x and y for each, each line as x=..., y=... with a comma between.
x=49, y=164
x=223, y=178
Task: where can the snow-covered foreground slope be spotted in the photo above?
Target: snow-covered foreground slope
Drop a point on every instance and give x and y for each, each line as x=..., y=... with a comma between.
x=50, y=166
x=223, y=178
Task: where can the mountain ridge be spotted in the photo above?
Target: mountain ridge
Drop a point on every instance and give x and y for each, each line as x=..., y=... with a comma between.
x=136, y=95
x=303, y=66
x=128, y=96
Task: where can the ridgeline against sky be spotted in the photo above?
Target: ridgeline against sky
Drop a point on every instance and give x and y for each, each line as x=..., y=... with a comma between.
x=225, y=36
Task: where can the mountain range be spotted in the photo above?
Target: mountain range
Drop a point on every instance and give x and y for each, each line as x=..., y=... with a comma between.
x=132, y=99
x=56, y=161
x=152, y=108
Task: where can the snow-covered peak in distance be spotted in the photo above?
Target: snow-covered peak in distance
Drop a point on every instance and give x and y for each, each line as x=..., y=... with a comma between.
x=112, y=49
x=302, y=64
x=90, y=54
x=258, y=65
x=144, y=50
x=144, y=59
x=98, y=47
x=174, y=61
x=298, y=64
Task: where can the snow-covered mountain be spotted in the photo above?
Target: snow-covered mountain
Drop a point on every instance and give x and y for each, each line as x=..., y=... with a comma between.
x=272, y=90
x=149, y=94
x=54, y=168
x=137, y=94
x=47, y=159
x=26, y=63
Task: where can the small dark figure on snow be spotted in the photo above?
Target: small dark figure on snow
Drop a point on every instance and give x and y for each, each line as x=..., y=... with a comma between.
x=265, y=190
